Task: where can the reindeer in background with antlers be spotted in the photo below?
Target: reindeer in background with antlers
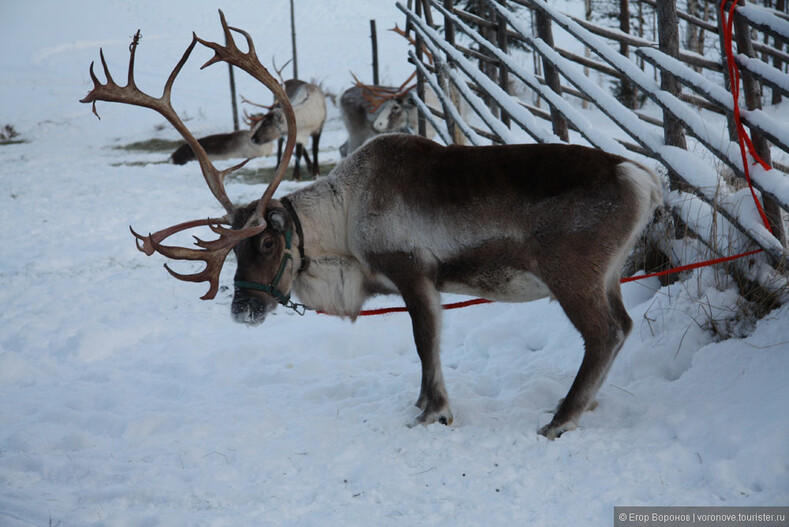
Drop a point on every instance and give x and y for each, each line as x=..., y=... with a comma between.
x=369, y=110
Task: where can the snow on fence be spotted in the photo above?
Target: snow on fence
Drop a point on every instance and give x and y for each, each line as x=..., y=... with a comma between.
x=721, y=217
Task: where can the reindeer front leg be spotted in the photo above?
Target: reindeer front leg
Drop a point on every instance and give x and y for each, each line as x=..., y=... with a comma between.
x=423, y=302
x=424, y=306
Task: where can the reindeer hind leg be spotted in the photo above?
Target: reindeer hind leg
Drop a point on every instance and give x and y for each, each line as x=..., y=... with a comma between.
x=316, y=137
x=297, y=162
x=603, y=323
x=308, y=161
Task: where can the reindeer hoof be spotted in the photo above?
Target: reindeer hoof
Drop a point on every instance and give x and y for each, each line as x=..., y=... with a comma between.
x=443, y=416
x=554, y=430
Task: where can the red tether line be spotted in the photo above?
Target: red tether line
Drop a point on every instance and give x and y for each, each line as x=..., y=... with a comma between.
x=734, y=79
x=742, y=138
x=387, y=310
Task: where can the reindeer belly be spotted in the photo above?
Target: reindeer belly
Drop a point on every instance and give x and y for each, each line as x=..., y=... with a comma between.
x=490, y=275
x=505, y=285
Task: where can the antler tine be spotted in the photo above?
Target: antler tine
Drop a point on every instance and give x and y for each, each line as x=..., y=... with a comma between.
x=147, y=244
x=252, y=119
x=411, y=41
x=279, y=70
x=213, y=252
x=266, y=107
x=229, y=52
x=132, y=50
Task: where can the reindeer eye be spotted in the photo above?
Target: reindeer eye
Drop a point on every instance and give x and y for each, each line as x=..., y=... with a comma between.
x=268, y=243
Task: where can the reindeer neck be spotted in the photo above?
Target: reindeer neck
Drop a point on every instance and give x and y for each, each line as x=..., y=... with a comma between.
x=321, y=214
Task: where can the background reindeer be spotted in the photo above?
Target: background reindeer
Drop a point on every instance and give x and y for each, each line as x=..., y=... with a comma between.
x=309, y=105
x=405, y=215
x=232, y=145
x=369, y=110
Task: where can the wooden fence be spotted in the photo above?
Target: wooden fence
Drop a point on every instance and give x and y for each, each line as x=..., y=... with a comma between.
x=472, y=73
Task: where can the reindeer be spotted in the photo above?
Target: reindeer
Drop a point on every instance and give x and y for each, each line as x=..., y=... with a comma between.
x=407, y=216
x=231, y=145
x=309, y=105
x=369, y=110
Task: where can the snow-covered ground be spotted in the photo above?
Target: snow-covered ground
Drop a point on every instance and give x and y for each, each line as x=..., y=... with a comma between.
x=125, y=400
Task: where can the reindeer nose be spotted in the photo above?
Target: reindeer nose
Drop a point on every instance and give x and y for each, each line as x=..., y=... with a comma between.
x=247, y=309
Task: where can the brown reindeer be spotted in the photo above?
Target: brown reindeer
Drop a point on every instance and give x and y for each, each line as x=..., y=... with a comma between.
x=230, y=145
x=405, y=215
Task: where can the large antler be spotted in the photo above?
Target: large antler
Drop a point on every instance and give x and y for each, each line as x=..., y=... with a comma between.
x=213, y=253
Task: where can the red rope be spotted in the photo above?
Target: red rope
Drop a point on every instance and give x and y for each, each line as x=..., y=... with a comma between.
x=689, y=266
x=742, y=138
x=387, y=310
x=734, y=78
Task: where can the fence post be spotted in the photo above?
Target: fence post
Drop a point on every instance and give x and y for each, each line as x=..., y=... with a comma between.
x=233, y=103
x=780, y=5
x=374, y=38
x=501, y=41
x=753, y=101
x=552, y=79
x=726, y=80
x=443, y=81
x=420, y=81
x=293, y=40
x=668, y=41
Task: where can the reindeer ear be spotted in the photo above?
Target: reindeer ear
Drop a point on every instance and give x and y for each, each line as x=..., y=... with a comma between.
x=278, y=219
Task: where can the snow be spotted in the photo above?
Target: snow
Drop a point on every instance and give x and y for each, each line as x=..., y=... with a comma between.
x=765, y=19
x=124, y=400
x=774, y=76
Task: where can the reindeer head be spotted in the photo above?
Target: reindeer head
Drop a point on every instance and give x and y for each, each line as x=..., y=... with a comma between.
x=271, y=126
x=394, y=115
x=267, y=265
x=257, y=232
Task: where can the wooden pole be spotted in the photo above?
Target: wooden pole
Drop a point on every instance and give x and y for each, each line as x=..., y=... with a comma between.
x=668, y=40
x=449, y=35
x=780, y=5
x=233, y=103
x=420, y=81
x=293, y=40
x=504, y=79
x=374, y=38
x=726, y=80
x=627, y=89
x=545, y=32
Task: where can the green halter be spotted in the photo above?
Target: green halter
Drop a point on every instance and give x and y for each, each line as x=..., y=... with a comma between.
x=271, y=288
